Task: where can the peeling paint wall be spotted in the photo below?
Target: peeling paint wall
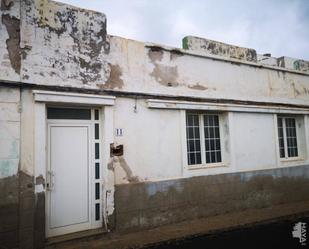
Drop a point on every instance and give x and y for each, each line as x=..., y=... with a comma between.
x=165, y=71
x=62, y=43
x=47, y=43
x=10, y=61
x=210, y=47
x=44, y=42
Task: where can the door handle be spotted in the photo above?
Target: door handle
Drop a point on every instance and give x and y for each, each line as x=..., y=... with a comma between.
x=50, y=180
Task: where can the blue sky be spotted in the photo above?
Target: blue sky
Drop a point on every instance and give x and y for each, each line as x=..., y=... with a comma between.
x=279, y=27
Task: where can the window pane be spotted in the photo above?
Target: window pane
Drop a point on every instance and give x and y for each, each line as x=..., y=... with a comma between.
x=212, y=144
x=212, y=138
x=97, y=191
x=193, y=139
x=96, y=114
x=68, y=113
x=96, y=131
x=218, y=146
x=219, y=156
x=287, y=137
x=97, y=150
x=198, y=158
x=217, y=133
x=211, y=132
x=207, y=157
x=281, y=138
x=207, y=144
x=216, y=120
x=97, y=211
x=97, y=170
x=210, y=118
x=213, y=157
x=291, y=137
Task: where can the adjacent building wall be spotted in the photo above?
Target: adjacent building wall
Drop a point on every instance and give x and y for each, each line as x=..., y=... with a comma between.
x=9, y=164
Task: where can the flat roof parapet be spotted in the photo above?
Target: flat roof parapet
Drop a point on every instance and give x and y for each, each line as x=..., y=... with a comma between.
x=211, y=47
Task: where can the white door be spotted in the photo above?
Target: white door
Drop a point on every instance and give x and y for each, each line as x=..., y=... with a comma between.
x=68, y=195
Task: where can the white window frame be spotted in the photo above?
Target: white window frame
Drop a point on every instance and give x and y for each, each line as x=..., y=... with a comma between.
x=299, y=157
x=203, y=163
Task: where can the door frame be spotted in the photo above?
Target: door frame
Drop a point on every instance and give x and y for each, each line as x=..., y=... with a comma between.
x=65, y=99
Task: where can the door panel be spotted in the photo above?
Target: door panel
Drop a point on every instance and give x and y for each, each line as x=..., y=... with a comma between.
x=68, y=198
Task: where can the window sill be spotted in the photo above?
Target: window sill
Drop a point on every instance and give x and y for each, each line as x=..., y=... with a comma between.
x=291, y=159
x=206, y=166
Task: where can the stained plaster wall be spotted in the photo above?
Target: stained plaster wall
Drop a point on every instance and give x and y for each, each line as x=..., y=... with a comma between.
x=43, y=38
x=57, y=45
x=154, y=144
x=170, y=71
x=10, y=40
x=9, y=164
x=66, y=46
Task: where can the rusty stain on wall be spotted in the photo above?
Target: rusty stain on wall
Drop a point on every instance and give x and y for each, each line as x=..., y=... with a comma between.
x=40, y=180
x=168, y=75
x=124, y=165
x=13, y=42
x=175, y=53
x=115, y=160
x=295, y=90
x=114, y=79
x=165, y=75
x=155, y=54
x=6, y=4
x=198, y=87
x=24, y=51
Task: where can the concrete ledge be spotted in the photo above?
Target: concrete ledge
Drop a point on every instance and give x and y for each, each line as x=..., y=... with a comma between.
x=63, y=97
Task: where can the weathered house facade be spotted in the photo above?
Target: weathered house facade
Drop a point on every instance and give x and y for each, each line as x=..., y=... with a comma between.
x=102, y=132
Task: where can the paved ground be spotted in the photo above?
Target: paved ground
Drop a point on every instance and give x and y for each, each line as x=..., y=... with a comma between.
x=272, y=235
x=207, y=233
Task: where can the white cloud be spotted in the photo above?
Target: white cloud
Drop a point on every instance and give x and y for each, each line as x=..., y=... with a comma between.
x=280, y=27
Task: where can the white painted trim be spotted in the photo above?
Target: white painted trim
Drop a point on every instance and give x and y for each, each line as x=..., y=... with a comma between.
x=107, y=174
x=186, y=105
x=72, y=98
x=183, y=132
x=275, y=125
x=105, y=105
x=204, y=168
x=40, y=148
